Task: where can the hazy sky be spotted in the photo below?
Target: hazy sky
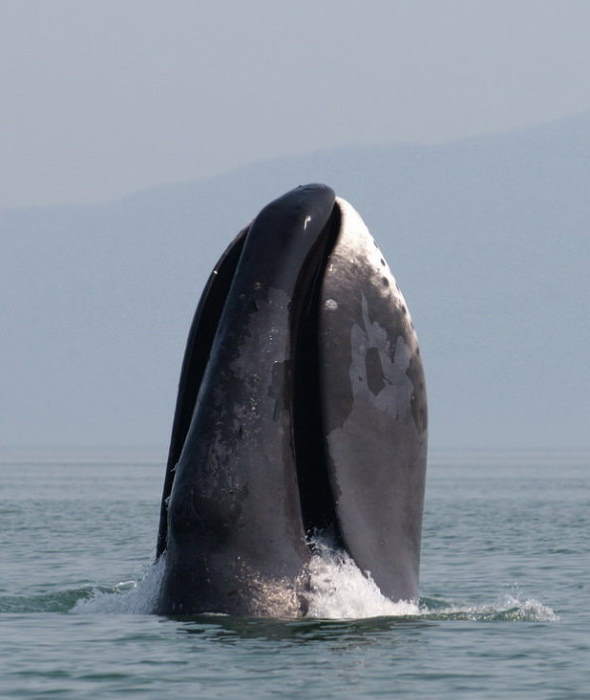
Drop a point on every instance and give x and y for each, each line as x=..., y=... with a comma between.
x=101, y=98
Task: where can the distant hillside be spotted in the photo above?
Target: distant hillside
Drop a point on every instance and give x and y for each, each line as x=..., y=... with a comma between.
x=489, y=239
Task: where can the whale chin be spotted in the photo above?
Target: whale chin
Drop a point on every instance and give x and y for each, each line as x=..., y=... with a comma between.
x=301, y=409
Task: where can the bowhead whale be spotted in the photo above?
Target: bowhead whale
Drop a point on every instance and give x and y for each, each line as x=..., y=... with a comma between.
x=301, y=408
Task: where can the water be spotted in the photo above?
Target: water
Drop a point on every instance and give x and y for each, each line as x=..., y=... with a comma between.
x=504, y=610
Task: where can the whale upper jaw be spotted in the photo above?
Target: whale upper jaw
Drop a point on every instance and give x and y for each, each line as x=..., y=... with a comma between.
x=301, y=407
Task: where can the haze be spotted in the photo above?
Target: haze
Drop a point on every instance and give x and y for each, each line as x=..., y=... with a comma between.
x=99, y=99
x=460, y=131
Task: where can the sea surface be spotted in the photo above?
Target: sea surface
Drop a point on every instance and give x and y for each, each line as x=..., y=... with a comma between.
x=504, y=608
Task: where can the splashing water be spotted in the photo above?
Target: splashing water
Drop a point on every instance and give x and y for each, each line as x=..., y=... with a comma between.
x=338, y=590
x=508, y=609
x=128, y=597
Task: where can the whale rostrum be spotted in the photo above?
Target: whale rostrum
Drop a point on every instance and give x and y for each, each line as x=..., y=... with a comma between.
x=301, y=409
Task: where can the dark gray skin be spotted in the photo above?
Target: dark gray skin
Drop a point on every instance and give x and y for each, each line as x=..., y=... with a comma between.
x=374, y=410
x=301, y=406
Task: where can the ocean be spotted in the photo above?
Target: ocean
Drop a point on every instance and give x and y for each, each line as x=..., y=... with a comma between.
x=504, y=608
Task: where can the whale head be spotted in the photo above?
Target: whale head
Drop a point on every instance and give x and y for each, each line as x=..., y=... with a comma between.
x=301, y=409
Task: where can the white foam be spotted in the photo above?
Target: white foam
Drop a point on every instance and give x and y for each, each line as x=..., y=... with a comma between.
x=509, y=608
x=127, y=597
x=340, y=590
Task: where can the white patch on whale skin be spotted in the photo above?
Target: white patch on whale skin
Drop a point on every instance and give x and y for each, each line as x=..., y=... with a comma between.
x=355, y=244
x=256, y=346
x=395, y=396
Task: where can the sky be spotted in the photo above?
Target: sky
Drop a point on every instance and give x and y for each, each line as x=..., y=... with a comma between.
x=488, y=236
x=104, y=98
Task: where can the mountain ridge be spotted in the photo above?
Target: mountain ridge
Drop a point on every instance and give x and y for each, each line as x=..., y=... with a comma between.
x=488, y=237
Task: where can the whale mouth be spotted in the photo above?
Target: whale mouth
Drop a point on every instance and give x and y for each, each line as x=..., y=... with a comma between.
x=301, y=408
x=316, y=498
